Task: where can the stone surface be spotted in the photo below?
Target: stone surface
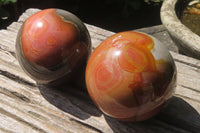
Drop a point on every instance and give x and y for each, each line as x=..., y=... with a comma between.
x=187, y=41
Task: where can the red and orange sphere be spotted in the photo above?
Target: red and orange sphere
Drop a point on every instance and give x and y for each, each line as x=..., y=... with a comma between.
x=53, y=44
x=47, y=39
x=130, y=76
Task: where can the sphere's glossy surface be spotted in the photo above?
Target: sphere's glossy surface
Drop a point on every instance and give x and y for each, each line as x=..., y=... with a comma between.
x=130, y=76
x=51, y=44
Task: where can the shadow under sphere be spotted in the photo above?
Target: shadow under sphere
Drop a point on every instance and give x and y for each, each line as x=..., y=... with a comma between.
x=177, y=116
x=70, y=98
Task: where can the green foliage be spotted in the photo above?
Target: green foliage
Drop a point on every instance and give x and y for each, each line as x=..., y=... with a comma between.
x=129, y=6
x=4, y=13
x=153, y=1
x=5, y=2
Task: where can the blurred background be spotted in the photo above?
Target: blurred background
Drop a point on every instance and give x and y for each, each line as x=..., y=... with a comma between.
x=113, y=15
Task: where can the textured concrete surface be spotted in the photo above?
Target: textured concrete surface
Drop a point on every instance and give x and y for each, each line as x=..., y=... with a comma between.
x=187, y=41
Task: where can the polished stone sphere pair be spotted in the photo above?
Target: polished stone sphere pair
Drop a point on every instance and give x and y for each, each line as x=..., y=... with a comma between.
x=129, y=76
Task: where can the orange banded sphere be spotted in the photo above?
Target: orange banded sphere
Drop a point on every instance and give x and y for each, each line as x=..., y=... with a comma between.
x=52, y=43
x=130, y=76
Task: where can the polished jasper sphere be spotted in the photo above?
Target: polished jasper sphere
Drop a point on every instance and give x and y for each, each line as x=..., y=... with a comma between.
x=52, y=44
x=130, y=76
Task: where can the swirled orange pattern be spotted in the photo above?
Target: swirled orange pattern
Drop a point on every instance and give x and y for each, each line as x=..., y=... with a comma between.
x=124, y=78
x=47, y=38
